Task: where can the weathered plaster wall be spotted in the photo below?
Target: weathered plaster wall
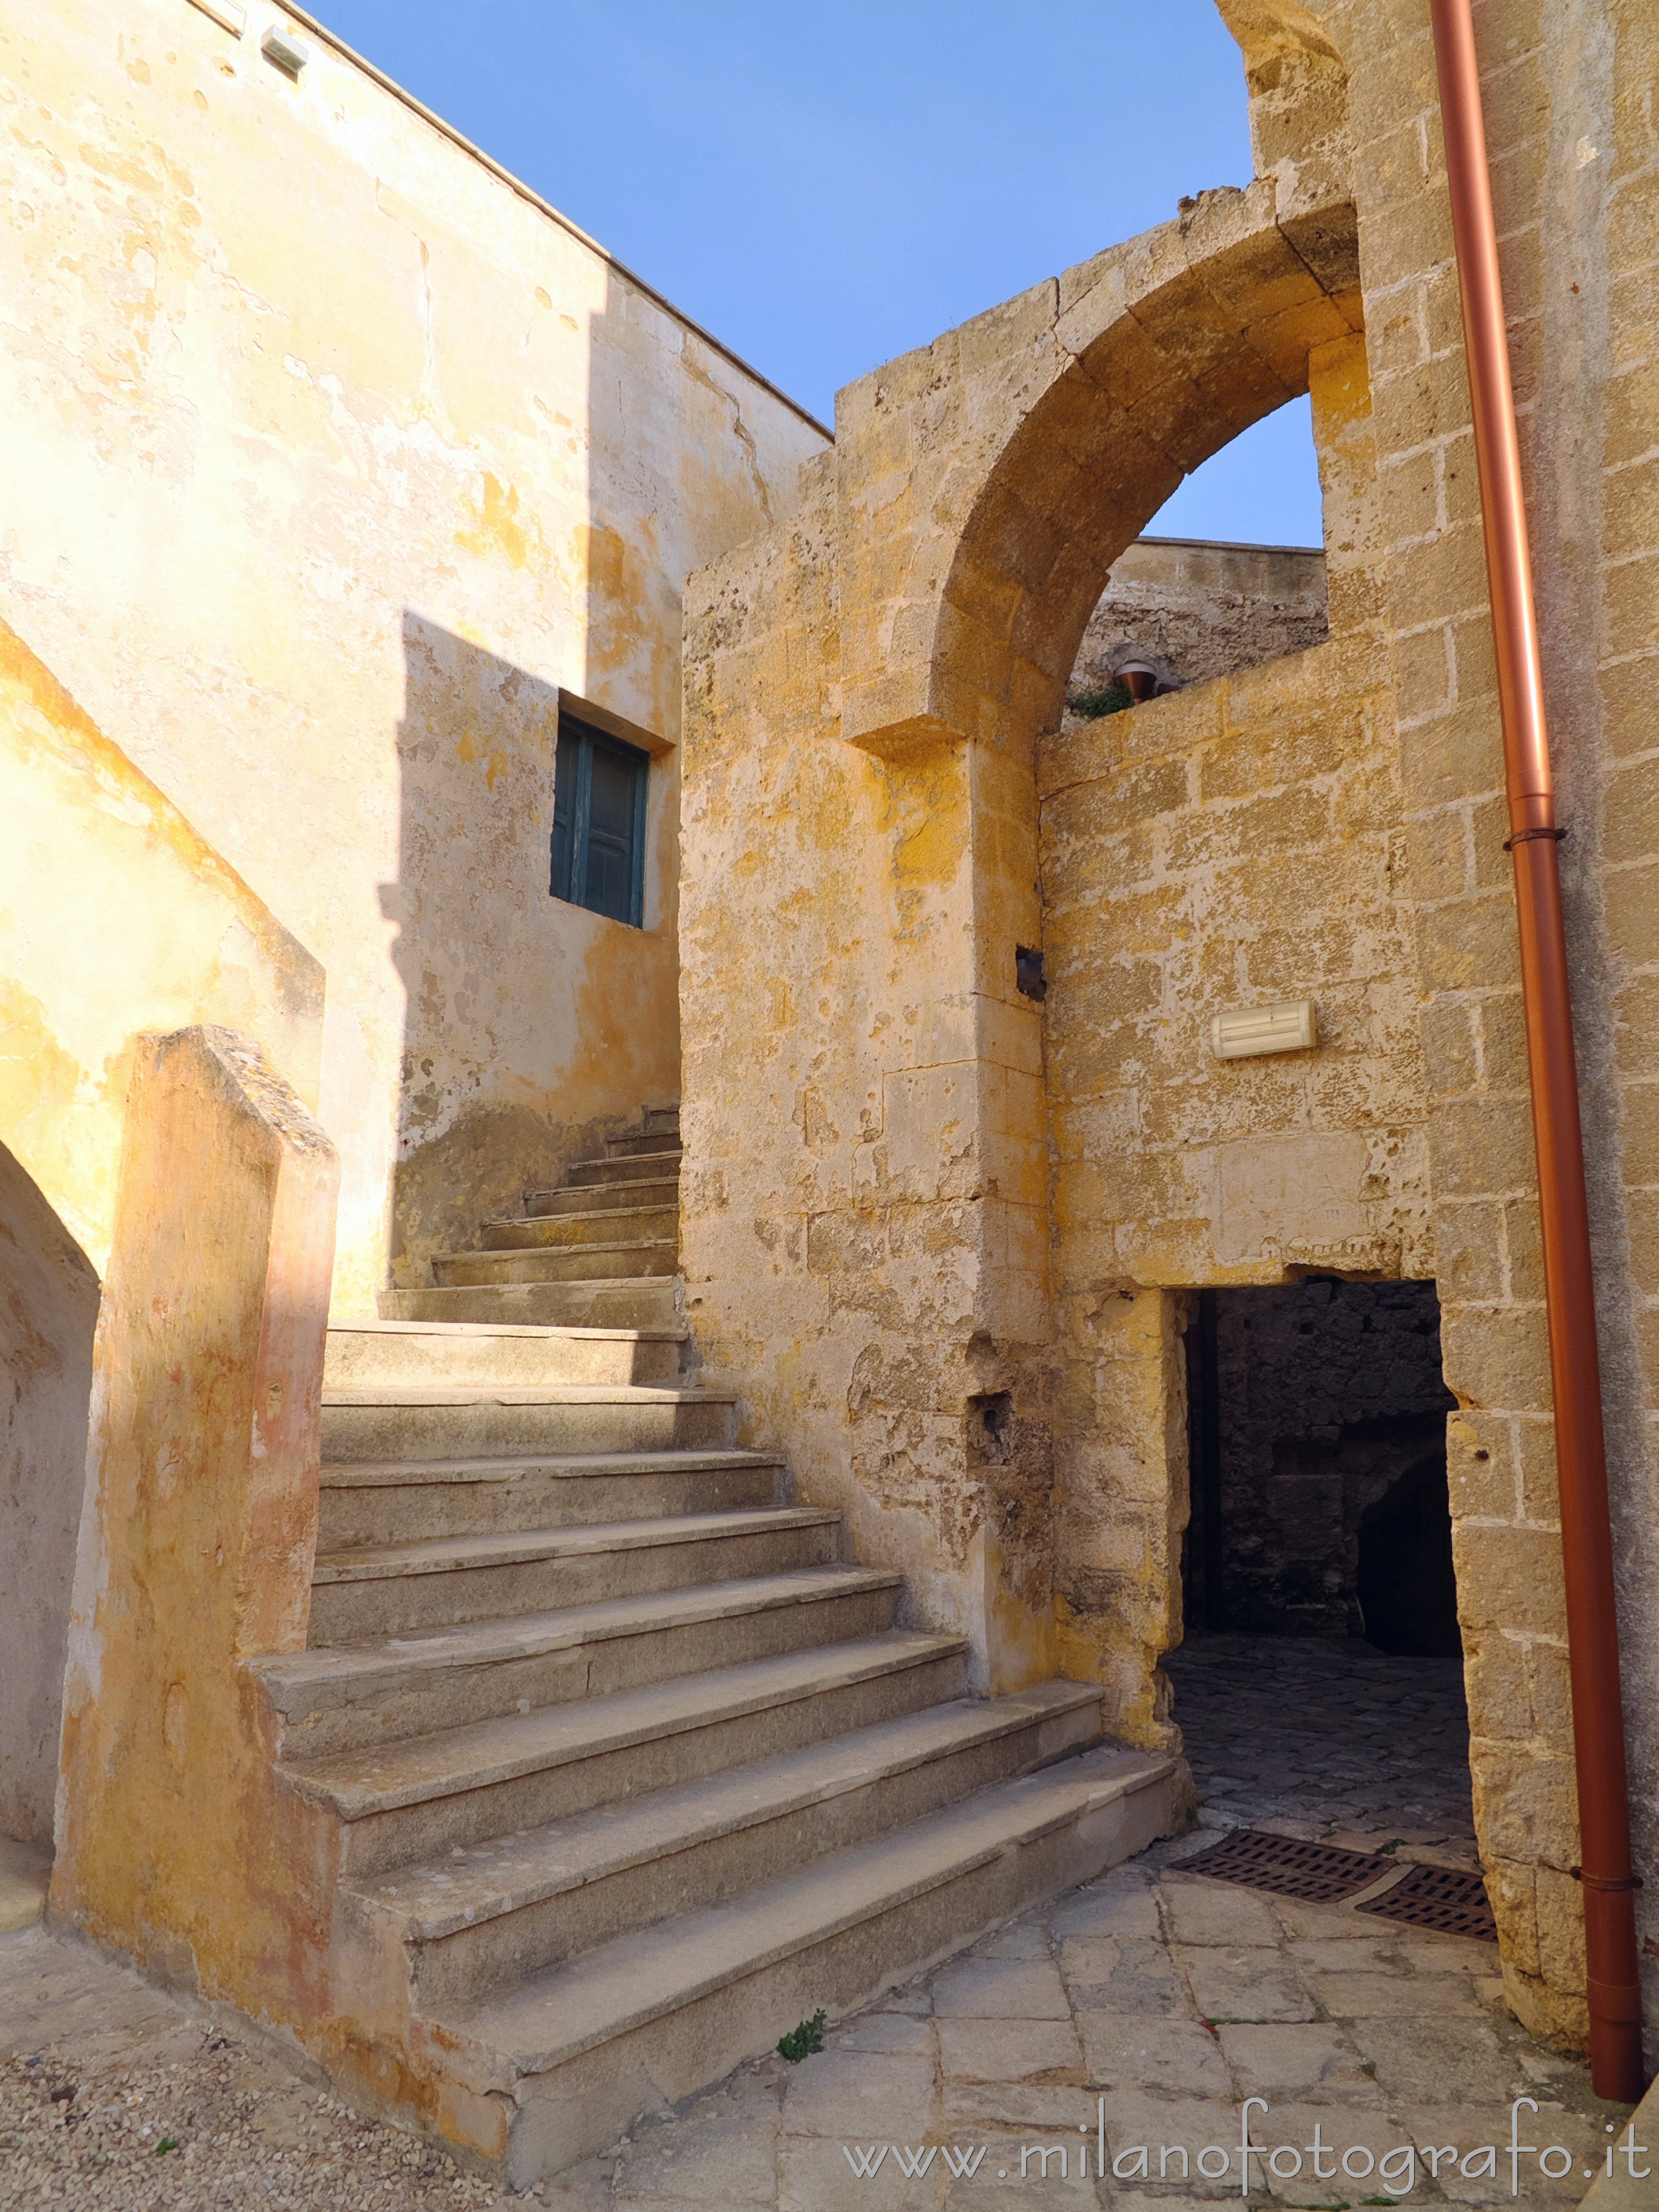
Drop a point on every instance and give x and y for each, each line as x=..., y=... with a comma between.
x=115, y=914
x=48, y=1310
x=1197, y=610
x=175, y=1842
x=329, y=456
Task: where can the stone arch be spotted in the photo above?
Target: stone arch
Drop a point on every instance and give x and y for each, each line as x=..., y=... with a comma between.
x=1042, y=438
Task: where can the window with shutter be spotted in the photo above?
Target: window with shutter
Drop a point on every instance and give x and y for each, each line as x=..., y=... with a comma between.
x=598, y=822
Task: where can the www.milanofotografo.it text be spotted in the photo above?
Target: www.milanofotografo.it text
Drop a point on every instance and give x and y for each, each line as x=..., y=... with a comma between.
x=1395, y=2171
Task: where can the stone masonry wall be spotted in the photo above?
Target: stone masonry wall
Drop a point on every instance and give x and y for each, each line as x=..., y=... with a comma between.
x=1568, y=92
x=1327, y=825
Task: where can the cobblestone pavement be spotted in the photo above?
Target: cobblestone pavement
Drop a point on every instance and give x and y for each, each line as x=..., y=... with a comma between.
x=1148, y=2005
x=1331, y=1740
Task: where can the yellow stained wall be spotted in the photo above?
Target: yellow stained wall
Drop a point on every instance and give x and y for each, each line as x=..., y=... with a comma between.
x=330, y=458
x=116, y=916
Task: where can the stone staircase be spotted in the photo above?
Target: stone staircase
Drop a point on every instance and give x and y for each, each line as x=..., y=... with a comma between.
x=604, y=1252
x=623, y=1768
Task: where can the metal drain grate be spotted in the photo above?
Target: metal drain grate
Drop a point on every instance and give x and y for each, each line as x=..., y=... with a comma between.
x=1444, y=1898
x=1320, y=1873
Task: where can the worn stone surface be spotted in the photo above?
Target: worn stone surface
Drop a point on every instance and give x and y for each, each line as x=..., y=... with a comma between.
x=1171, y=1997
x=1329, y=1740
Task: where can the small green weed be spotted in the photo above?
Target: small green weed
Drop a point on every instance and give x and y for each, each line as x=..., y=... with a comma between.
x=1386, y=1851
x=1112, y=701
x=801, y=2042
x=166, y=2143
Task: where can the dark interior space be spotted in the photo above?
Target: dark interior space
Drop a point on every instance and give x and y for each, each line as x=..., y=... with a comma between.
x=1319, y=1503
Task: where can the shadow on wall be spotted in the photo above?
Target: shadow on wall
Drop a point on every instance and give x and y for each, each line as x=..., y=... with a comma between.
x=476, y=749
x=48, y=1312
x=532, y=1027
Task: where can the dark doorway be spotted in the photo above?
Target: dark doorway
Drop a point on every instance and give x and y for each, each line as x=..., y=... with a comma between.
x=1320, y=1686
x=1318, y=1415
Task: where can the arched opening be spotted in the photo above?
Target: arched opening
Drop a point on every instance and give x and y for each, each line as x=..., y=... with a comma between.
x=1230, y=572
x=48, y=1312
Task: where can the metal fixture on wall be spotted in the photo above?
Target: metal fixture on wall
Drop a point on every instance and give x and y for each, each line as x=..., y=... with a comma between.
x=1606, y=1875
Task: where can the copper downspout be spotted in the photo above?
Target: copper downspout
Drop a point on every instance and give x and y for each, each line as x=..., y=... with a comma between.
x=1575, y=1369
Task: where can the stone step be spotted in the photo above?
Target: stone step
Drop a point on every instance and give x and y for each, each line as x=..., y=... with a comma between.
x=601, y=1198
x=657, y=1222
x=658, y=1121
x=629, y=1302
x=639, y=1147
x=560, y=2065
x=584, y=1263
x=433, y=1794
x=508, y=1908
x=403, y=1589
x=349, y=1697
x=365, y=1502
x=588, y=1173
x=469, y=1422
x=380, y=1354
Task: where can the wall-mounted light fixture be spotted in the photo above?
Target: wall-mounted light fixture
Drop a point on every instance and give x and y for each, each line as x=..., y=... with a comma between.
x=279, y=48
x=1246, y=1032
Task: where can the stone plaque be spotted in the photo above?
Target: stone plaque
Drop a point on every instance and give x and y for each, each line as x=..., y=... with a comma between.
x=1294, y=1196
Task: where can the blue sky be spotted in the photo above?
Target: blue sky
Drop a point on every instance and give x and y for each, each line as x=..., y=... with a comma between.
x=825, y=188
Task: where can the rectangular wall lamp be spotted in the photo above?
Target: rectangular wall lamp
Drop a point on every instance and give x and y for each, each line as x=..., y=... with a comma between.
x=1246, y=1032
